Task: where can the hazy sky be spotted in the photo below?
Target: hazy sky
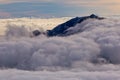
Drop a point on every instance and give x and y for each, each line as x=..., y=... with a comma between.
x=58, y=8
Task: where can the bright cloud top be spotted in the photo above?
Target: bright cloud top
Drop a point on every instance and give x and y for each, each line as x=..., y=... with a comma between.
x=97, y=45
x=89, y=55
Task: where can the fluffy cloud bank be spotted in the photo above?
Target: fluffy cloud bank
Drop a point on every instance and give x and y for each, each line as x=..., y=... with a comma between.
x=97, y=45
x=92, y=54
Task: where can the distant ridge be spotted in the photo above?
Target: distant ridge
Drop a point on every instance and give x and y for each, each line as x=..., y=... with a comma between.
x=60, y=30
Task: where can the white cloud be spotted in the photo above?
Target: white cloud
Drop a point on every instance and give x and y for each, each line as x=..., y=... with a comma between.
x=56, y=53
x=72, y=55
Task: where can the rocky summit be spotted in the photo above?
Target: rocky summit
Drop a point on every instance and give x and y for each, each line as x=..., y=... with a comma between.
x=60, y=30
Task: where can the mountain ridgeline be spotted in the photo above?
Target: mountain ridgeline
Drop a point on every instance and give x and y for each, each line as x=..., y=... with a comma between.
x=61, y=29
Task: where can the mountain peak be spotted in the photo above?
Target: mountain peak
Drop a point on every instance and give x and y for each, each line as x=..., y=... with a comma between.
x=60, y=30
x=63, y=28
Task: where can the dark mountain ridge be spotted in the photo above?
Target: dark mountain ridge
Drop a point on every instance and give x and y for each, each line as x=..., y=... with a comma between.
x=60, y=30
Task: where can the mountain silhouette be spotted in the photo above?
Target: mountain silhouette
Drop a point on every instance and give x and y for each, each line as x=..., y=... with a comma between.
x=60, y=30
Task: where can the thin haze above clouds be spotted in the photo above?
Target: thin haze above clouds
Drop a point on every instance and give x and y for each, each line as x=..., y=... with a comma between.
x=57, y=8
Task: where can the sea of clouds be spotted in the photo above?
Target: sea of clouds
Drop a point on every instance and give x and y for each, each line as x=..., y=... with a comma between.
x=92, y=53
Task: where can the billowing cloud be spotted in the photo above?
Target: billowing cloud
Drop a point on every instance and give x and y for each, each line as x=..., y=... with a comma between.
x=98, y=42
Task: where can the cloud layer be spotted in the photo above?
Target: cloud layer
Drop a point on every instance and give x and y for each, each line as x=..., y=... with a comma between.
x=90, y=55
x=97, y=45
